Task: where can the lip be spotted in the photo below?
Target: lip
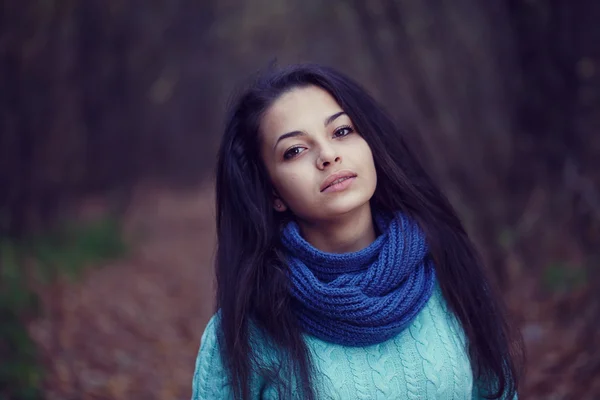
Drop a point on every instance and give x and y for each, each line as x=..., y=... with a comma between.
x=334, y=177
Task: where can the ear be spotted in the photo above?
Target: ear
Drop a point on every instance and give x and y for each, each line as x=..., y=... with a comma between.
x=278, y=204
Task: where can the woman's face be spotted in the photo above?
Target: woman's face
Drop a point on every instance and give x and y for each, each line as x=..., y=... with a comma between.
x=320, y=166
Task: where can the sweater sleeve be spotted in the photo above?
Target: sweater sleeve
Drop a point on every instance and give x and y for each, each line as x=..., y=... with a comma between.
x=210, y=378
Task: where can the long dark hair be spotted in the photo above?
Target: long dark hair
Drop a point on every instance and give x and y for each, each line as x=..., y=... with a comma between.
x=252, y=282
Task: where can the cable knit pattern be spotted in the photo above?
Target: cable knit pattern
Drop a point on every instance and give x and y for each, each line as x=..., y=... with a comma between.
x=382, y=367
x=427, y=360
x=411, y=362
x=322, y=352
x=356, y=361
x=420, y=331
x=364, y=297
x=449, y=355
x=209, y=376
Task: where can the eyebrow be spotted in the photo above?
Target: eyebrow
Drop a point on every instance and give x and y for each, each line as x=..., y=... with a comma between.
x=333, y=117
x=328, y=121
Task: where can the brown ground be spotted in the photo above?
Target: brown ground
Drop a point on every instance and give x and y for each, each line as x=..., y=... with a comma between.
x=131, y=329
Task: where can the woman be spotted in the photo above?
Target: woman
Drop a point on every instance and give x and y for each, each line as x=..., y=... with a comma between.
x=342, y=271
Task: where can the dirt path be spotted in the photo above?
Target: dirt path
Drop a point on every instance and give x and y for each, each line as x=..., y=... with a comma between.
x=130, y=330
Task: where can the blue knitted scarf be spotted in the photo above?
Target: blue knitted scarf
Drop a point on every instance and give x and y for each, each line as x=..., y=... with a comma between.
x=365, y=297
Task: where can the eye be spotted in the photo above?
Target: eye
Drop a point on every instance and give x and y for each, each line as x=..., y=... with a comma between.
x=293, y=152
x=343, y=131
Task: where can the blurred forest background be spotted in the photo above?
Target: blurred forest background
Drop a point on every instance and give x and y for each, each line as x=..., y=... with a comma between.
x=110, y=117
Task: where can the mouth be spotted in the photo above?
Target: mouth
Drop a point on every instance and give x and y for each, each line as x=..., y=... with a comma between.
x=339, y=179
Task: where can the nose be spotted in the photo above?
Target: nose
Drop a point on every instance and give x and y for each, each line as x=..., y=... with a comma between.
x=328, y=156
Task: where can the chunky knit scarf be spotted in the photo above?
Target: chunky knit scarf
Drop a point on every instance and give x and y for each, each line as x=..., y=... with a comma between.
x=365, y=297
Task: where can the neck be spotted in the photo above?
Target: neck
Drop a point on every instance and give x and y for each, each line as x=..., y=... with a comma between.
x=349, y=233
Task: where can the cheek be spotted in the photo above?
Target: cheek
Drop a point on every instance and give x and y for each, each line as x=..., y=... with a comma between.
x=365, y=154
x=293, y=186
x=293, y=183
x=368, y=163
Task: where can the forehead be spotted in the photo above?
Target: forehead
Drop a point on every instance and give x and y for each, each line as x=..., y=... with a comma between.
x=298, y=109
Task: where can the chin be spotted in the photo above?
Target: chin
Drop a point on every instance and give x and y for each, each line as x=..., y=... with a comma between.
x=345, y=206
x=333, y=207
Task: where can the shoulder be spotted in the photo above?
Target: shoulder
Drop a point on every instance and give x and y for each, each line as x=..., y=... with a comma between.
x=210, y=333
x=209, y=341
x=210, y=378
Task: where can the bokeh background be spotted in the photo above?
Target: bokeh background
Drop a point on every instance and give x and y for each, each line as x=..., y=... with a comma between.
x=111, y=114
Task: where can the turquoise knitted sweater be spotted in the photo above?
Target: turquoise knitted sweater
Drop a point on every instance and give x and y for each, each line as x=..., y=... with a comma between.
x=428, y=360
